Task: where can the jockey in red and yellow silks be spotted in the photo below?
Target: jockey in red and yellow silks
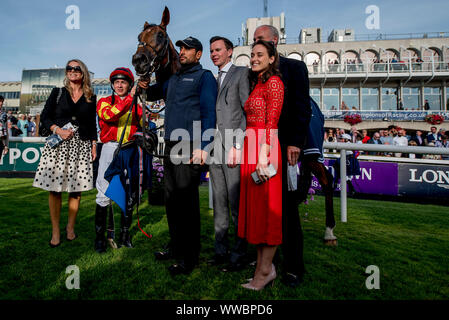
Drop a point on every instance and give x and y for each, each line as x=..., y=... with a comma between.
x=112, y=117
x=113, y=112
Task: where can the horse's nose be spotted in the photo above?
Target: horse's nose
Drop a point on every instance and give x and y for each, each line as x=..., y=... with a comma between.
x=137, y=58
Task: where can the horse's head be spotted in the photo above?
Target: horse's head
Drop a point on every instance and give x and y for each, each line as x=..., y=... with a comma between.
x=153, y=47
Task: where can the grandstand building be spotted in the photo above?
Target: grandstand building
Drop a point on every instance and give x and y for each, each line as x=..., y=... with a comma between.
x=387, y=79
x=30, y=94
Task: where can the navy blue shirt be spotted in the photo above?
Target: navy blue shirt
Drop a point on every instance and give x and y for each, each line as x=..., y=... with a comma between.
x=190, y=95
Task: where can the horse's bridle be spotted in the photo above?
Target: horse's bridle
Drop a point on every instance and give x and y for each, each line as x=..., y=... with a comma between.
x=157, y=55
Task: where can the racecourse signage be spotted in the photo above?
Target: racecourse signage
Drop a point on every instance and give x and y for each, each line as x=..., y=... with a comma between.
x=387, y=178
x=22, y=157
x=423, y=180
x=384, y=115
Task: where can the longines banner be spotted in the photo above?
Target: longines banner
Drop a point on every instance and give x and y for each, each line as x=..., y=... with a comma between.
x=387, y=178
x=423, y=180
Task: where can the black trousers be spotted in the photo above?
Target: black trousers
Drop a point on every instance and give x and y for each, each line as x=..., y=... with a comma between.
x=1, y=149
x=182, y=206
x=292, y=236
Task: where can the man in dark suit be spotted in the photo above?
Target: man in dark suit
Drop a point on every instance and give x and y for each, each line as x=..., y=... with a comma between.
x=433, y=135
x=420, y=141
x=293, y=125
x=233, y=90
x=375, y=140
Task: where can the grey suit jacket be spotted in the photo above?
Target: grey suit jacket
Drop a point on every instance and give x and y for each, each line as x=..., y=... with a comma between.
x=231, y=99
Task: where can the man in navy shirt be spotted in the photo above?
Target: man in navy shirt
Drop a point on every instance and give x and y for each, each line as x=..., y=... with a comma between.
x=190, y=97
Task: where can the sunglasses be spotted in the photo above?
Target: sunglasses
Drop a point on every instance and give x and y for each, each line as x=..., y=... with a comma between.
x=74, y=69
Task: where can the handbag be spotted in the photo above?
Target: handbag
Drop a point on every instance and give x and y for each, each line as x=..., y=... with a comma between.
x=43, y=131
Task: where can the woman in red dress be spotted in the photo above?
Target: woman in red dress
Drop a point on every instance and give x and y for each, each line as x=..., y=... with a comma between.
x=260, y=214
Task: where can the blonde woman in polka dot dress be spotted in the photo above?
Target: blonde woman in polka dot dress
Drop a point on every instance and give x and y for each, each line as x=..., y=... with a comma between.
x=67, y=167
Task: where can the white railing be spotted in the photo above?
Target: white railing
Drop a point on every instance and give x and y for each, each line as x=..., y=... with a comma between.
x=370, y=147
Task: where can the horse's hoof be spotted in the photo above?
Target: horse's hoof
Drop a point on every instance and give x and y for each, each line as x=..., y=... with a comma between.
x=331, y=243
x=329, y=234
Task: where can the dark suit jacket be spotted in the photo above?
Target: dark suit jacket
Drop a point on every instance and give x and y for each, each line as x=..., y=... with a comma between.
x=420, y=144
x=296, y=110
x=374, y=153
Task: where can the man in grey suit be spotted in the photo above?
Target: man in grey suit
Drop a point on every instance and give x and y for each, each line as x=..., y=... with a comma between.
x=233, y=90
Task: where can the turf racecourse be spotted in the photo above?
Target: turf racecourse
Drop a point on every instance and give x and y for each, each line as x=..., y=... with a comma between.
x=408, y=242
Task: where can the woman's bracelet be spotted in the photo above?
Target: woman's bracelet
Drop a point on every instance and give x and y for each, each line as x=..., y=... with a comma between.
x=94, y=143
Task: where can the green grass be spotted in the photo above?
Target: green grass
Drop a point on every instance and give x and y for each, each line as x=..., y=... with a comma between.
x=408, y=242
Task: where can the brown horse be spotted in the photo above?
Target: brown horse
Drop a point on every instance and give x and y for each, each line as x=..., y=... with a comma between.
x=155, y=52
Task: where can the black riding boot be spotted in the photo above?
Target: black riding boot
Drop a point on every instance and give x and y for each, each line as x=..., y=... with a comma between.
x=125, y=238
x=100, y=228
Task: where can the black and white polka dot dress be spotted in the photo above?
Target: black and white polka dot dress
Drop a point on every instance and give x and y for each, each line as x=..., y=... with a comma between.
x=66, y=167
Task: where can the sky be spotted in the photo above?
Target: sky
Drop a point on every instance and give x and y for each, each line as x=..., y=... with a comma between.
x=34, y=35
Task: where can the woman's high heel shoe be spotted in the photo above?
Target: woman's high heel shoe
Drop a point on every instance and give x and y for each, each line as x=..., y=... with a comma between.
x=269, y=281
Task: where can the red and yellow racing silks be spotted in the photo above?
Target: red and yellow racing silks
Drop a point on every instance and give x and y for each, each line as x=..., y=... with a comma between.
x=112, y=118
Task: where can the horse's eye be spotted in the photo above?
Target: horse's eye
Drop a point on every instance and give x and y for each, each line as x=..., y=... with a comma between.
x=160, y=35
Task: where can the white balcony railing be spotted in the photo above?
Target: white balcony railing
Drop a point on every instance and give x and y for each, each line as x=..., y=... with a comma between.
x=371, y=67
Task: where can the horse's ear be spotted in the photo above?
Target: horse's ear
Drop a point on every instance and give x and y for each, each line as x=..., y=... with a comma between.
x=146, y=25
x=165, y=18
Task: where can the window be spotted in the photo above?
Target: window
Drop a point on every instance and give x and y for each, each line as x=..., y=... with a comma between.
x=410, y=98
x=370, y=99
x=331, y=99
x=315, y=94
x=433, y=95
x=11, y=95
x=447, y=99
x=350, y=97
x=389, y=99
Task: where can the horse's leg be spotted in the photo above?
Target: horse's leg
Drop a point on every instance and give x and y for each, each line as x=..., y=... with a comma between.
x=305, y=179
x=326, y=181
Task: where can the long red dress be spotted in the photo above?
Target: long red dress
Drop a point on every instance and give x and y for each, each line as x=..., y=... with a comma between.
x=260, y=213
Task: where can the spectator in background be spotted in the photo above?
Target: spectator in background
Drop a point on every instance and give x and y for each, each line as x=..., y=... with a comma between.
x=426, y=105
x=433, y=136
x=4, y=137
x=340, y=132
x=418, y=138
x=444, y=143
x=365, y=137
x=331, y=136
x=401, y=141
x=375, y=140
x=13, y=128
x=31, y=130
x=23, y=125
x=400, y=105
x=11, y=117
x=383, y=135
